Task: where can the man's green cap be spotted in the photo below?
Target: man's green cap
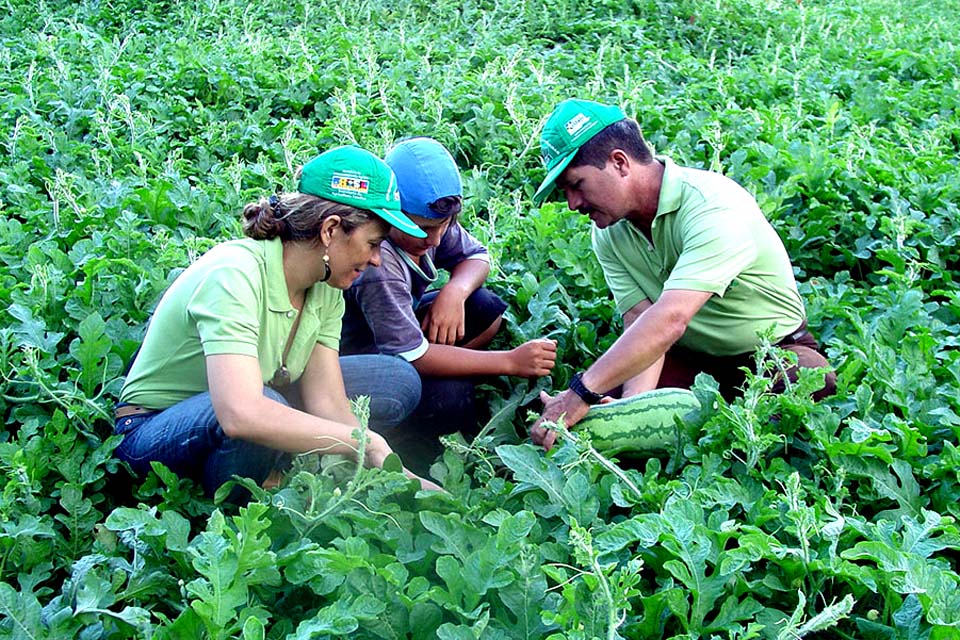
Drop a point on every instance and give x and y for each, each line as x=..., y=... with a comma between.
x=569, y=127
x=353, y=176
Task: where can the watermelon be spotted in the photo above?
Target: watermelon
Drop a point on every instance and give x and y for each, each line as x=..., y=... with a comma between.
x=641, y=424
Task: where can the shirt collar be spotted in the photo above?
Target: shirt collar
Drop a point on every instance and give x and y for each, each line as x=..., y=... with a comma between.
x=425, y=269
x=671, y=188
x=278, y=298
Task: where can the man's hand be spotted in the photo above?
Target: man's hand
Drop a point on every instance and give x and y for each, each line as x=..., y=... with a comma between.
x=534, y=359
x=445, y=319
x=566, y=404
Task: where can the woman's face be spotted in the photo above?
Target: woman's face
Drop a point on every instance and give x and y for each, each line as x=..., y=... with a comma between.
x=351, y=253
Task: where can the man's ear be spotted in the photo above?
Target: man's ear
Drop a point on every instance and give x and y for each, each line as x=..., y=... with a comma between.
x=620, y=161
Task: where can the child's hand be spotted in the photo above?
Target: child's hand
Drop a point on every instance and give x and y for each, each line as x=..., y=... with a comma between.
x=534, y=359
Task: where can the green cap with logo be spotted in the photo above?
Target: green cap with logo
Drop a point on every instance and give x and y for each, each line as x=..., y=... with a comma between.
x=353, y=176
x=569, y=127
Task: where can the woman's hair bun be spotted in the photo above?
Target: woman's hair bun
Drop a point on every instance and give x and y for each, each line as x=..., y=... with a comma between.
x=262, y=220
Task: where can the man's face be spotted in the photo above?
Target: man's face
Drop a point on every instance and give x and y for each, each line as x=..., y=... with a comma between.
x=594, y=192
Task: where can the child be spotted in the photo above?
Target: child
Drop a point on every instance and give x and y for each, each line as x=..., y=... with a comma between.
x=442, y=332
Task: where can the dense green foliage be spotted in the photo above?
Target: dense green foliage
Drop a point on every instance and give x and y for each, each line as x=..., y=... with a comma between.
x=133, y=133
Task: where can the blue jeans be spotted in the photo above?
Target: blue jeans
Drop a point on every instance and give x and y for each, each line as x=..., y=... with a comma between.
x=187, y=437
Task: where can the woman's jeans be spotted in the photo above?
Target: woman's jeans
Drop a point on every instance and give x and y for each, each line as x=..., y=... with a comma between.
x=188, y=439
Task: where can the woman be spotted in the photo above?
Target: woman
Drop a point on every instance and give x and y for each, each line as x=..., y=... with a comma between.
x=266, y=310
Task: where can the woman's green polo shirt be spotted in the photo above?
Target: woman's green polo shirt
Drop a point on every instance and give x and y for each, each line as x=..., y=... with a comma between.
x=708, y=235
x=233, y=300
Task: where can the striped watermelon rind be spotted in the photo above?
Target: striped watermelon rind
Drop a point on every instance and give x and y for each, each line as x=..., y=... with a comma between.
x=641, y=424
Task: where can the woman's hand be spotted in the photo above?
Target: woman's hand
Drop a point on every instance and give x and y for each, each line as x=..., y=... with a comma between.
x=377, y=452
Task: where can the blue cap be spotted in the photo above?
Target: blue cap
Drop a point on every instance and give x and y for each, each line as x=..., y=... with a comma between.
x=425, y=173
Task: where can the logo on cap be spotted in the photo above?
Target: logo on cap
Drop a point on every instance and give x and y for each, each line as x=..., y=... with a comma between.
x=576, y=124
x=353, y=185
x=547, y=151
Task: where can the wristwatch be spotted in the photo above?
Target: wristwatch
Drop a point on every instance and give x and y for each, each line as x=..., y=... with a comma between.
x=577, y=386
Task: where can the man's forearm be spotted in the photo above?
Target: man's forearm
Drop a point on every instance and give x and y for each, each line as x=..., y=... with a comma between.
x=645, y=381
x=645, y=341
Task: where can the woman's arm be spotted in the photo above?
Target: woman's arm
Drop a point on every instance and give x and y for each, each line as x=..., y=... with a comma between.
x=321, y=387
x=236, y=391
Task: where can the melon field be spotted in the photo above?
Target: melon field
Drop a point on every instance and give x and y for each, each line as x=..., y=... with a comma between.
x=133, y=133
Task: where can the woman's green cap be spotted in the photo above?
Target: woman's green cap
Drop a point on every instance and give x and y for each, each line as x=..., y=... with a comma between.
x=353, y=176
x=569, y=127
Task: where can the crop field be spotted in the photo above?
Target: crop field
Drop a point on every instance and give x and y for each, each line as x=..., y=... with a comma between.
x=133, y=133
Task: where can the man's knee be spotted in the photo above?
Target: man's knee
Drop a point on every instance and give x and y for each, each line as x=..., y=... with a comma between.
x=808, y=358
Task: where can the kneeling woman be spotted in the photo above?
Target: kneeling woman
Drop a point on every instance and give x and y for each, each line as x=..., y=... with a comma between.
x=253, y=315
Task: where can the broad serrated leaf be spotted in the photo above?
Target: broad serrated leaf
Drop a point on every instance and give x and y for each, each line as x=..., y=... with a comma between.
x=643, y=529
x=530, y=467
x=21, y=610
x=457, y=537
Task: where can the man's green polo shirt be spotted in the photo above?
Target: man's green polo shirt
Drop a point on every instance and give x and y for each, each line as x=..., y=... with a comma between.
x=233, y=300
x=708, y=235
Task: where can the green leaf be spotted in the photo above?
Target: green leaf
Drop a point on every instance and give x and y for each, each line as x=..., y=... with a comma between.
x=339, y=619
x=32, y=331
x=392, y=463
x=92, y=347
x=909, y=618
x=525, y=597
x=532, y=469
x=514, y=529
x=21, y=610
x=902, y=487
x=644, y=528
x=697, y=563
x=828, y=617
x=254, y=629
x=456, y=537
x=425, y=617
x=580, y=496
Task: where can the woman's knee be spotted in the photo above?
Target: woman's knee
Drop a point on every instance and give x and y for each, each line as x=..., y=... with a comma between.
x=391, y=383
x=275, y=395
x=395, y=401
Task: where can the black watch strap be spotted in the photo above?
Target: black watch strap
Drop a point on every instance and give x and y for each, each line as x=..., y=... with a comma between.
x=577, y=386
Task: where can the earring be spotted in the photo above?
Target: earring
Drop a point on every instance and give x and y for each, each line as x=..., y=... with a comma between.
x=326, y=267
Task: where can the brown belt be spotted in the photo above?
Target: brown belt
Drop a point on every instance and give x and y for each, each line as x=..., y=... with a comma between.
x=128, y=410
x=796, y=336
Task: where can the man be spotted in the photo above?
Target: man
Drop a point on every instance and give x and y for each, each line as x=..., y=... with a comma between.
x=696, y=270
x=443, y=331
